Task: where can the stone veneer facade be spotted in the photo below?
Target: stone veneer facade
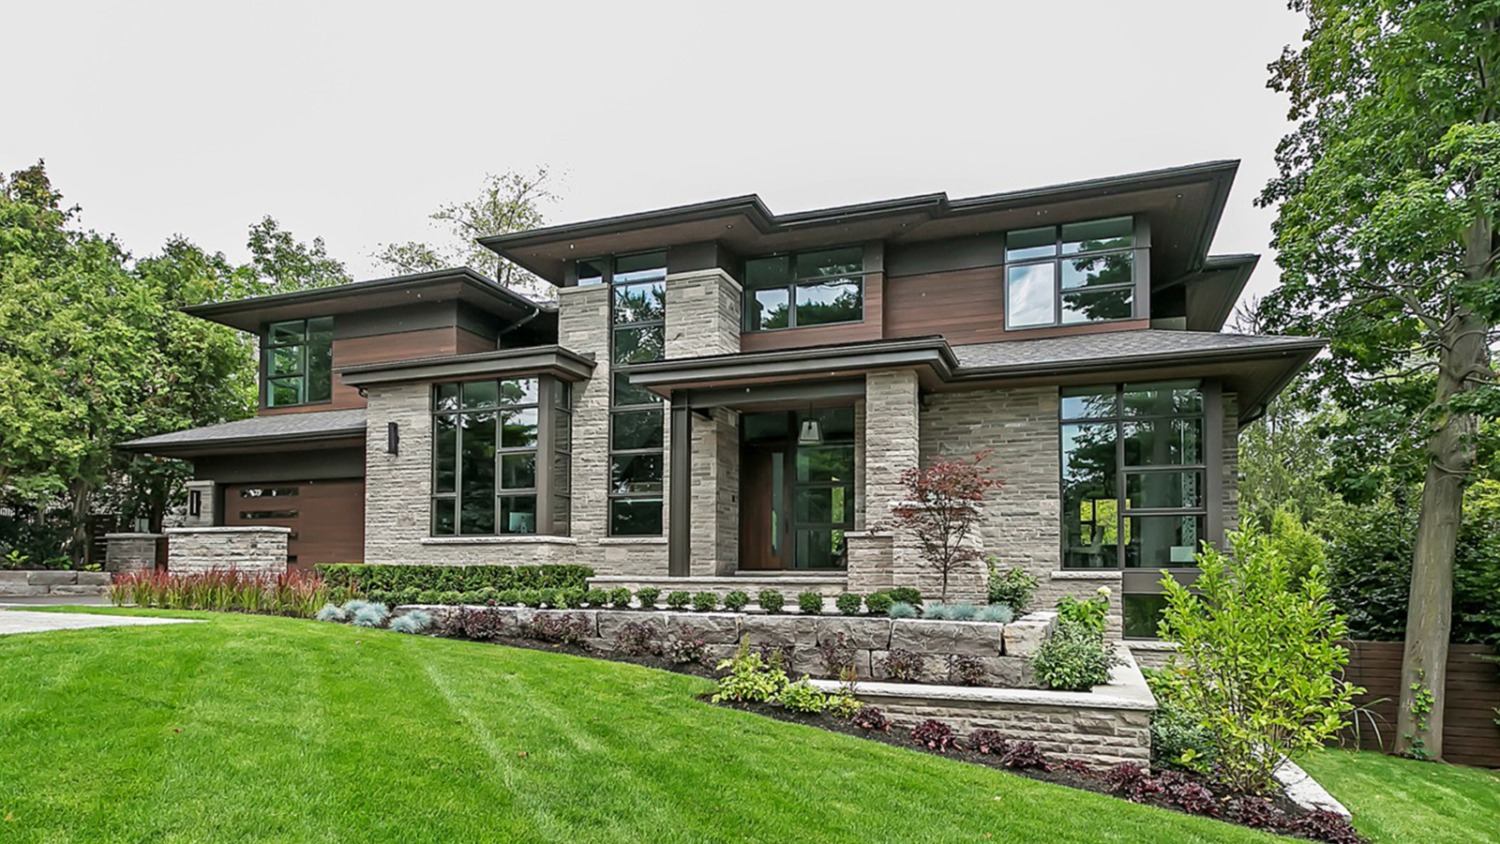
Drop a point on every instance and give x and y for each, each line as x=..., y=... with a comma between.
x=247, y=549
x=131, y=552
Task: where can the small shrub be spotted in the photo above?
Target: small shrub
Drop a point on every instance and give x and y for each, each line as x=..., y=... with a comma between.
x=678, y=600
x=409, y=595
x=843, y=704
x=415, y=621
x=636, y=638
x=567, y=599
x=533, y=598
x=997, y=613
x=480, y=624
x=685, y=647
x=903, y=666
x=1177, y=741
x=870, y=718
x=987, y=741
x=848, y=603
x=905, y=595
x=1024, y=754
x=1013, y=588
x=937, y=612
x=963, y=612
x=354, y=606
x=802, y=697
x=428, y=596
x=810, y=603
x=1257, y=812
x=705, y=602
x=1188, y=794
x=451, y=598
x=837, y=656
x=736, y=601
x=1087, y=615
x=770, y=600
x=619, y=598
x=468, y=597
x=901, y=609
x=967, y=670
x=565, y=628
x=508, y=598
x=372, y=615
x=1073, y=659
x=1132, y=782
x=878, y=603
x=596, y=597
x=332, y=612
x=487, y=594
x=750, y=678
x=934, y=735
x=647, y=596
x=1322, y=825
x=779, y=656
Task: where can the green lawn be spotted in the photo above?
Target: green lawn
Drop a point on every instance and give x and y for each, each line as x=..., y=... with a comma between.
x=259, y=728
x=1398, y=800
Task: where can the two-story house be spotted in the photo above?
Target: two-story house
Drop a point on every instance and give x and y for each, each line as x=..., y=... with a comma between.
x=724, y=397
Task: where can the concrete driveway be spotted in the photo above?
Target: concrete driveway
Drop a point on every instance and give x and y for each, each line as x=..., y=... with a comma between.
x=21, y=621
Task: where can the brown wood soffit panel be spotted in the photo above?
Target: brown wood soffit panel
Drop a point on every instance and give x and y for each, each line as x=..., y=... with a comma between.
x=1257, y=372
x=537, y=360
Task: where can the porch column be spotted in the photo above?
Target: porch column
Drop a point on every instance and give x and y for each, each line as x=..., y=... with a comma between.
x=890, y=448
x=680, y=491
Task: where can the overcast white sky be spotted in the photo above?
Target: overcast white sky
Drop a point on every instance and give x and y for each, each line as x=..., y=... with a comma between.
x=354, y=120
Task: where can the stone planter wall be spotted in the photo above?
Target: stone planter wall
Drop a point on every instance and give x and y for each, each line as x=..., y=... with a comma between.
x=131, y=552
x=43, y=583
x=247, y=549
x=1004, y=650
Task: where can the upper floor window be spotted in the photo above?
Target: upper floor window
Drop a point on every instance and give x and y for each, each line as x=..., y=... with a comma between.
x=298, y=362
x=805, y=289
x=638, y=316
x=1064, y=275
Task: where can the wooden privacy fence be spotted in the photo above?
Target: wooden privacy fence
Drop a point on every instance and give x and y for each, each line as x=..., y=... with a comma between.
x=1470, y=734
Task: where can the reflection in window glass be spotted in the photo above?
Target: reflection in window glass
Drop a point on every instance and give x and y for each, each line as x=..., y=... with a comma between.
x=636, y=440
x=1026, y=244
x=1097, y=270
x=1143, y=613
x=829, y=302
x=635, y=517
x=1097, y=305
x=1078, y=273
x=804, y=289
x=1088, y=402
x=770, y=309
x=1029, y=297
x=484, y=461
x=1158, y=542
x=1097, y=235
x=298, y=362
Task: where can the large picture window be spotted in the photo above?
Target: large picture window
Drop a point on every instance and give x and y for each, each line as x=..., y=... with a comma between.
x=297, y=361
x=1134, y=483
x=636, y=442
x=1063, y=275
x=488, y=456
x=805, y=289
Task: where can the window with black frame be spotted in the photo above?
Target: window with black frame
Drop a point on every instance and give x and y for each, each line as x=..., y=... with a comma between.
x=636, y=441
x=805, y=289
x=297, y=362
x=485, y=457
x=1075, y=273
x=1133, y=483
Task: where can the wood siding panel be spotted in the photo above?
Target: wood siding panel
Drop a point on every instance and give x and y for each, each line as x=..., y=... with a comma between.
x=964, y=306
x=869, y=328
x=470, y=343
x=382, y=348
x=1470, y=735
x=327, y=518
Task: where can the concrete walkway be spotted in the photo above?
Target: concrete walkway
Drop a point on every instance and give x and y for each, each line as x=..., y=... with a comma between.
x=20, y=621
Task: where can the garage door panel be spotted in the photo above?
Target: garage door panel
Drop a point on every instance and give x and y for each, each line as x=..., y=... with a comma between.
x=326, y=518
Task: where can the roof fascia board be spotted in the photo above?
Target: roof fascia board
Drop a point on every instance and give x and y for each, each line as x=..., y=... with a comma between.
x=555, y=360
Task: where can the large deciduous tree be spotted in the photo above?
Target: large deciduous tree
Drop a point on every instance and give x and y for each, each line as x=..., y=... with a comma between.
x=1388, y=194
x=510, y=202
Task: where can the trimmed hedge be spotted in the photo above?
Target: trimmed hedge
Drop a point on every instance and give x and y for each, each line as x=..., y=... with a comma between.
x=454, y=578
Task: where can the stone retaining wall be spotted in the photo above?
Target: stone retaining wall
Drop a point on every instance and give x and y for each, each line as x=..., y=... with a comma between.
x=1003, y=650
x=1103, y=727
x=247, y=549
x=42, y=583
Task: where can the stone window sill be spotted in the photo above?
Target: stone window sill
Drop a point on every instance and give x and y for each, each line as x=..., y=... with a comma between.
x=518, y=539
x=633, y=540
x=1088, y=574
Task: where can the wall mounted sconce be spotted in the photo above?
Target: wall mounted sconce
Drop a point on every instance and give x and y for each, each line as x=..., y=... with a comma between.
x=392, y=438
x=195, y=502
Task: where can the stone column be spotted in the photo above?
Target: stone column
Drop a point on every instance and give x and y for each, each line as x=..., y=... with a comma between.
x=207, y=496
x=703, y=318
x=583, y=326
x=891, y=436
x=130, y=552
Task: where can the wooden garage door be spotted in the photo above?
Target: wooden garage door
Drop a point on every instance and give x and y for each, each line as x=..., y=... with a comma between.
x=327, y=518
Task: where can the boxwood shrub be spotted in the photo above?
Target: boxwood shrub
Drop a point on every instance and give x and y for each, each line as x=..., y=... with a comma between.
x=396, y=578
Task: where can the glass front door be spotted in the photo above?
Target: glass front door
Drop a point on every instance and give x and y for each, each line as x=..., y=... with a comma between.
x=797, y=488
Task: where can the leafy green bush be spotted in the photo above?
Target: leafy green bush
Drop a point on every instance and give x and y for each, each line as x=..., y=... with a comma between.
x=568, y=599
x=901, y=609
x=1073, y=659
x=1259, y=657
x=802, y=697
x=736, y=601
x=678, y=600
x=750, y=678
x=770, y=600
x=619, y=598
x=1177, y=741
x=842, y=703
x=452, y=598
x=596, y=597
x=810, y=603
x=1089, y=614
x=848, y=603
x=905, y=595
x=1014, y=587
x=705, y=601
x=647, y=596
x=878, y=603
x=454, y=578
x=1000, y=613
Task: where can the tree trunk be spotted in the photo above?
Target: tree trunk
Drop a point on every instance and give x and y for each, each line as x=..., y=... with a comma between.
x=1463, y=355
x=78, y=506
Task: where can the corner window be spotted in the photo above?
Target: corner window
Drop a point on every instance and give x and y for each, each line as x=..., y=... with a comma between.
x=488, y=457
x=1065, y=275
x=638, y=334
x=297, y=362
x=805, y=289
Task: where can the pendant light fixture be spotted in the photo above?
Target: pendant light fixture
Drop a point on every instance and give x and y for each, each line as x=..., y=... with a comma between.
x=812, y=430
